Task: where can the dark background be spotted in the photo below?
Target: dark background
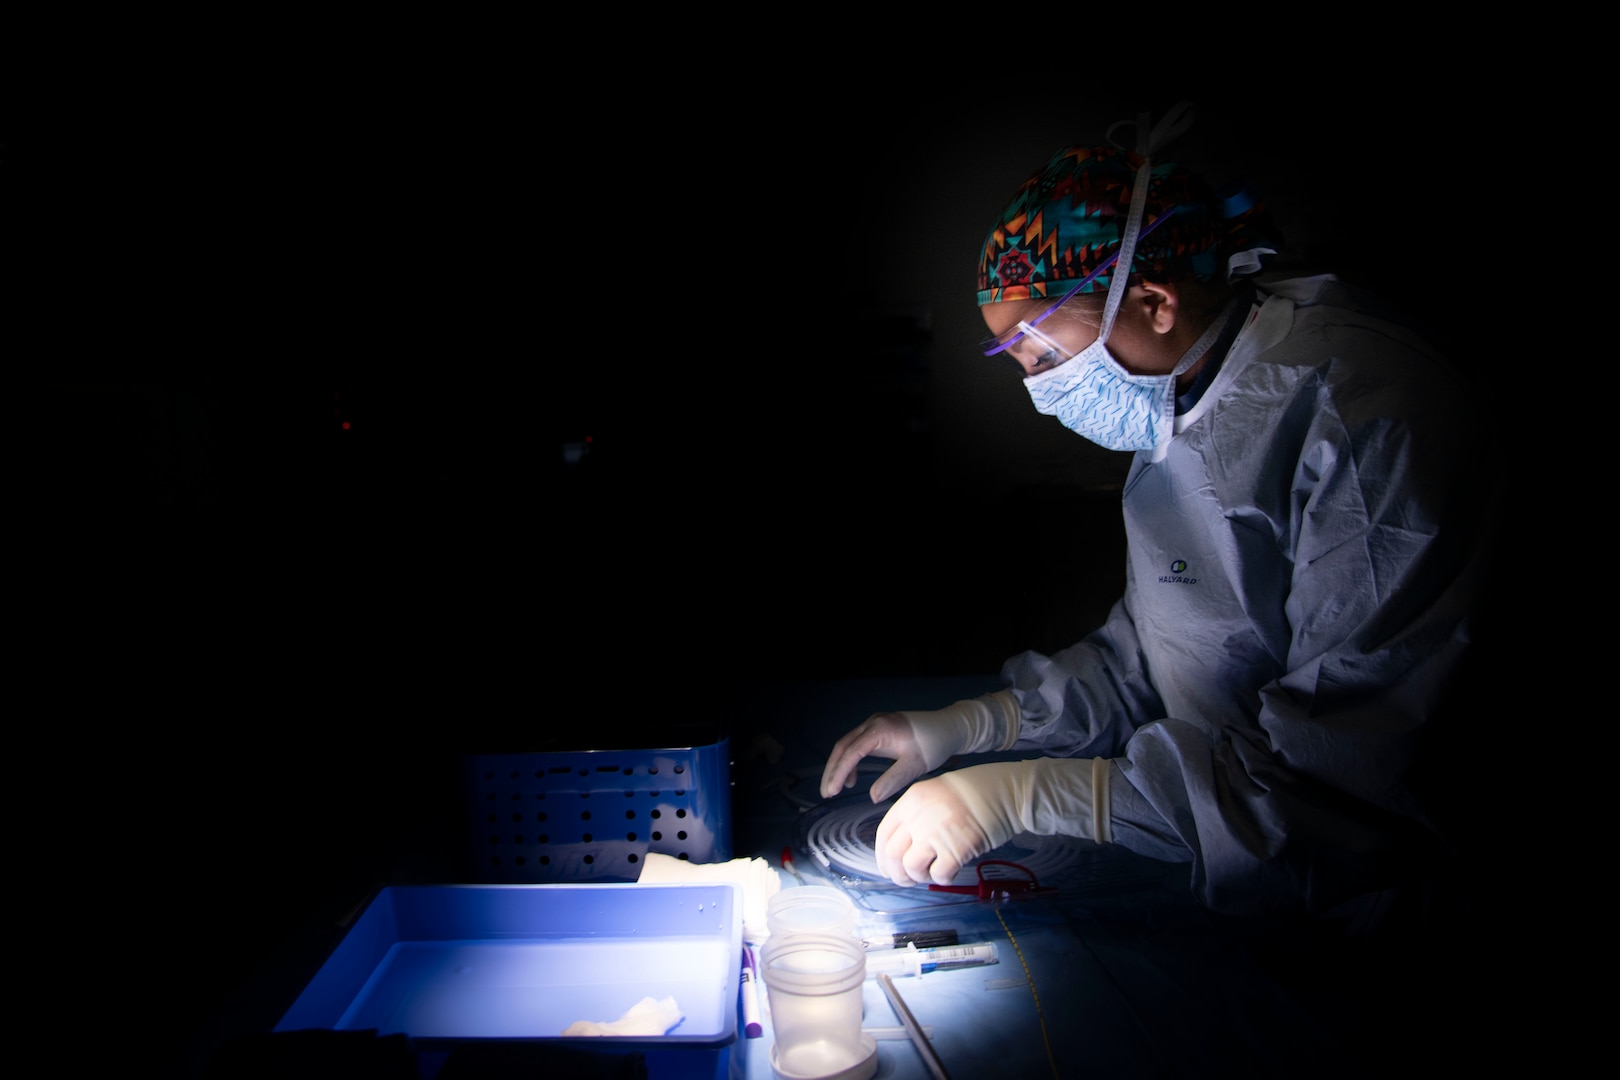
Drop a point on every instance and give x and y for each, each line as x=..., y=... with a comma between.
x=263, y=639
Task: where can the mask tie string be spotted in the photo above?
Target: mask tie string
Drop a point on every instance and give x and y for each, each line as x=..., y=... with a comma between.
x=1206, y=340
x=1149, y=139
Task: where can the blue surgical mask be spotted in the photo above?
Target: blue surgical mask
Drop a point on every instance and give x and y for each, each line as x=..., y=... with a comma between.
x=1094, y=396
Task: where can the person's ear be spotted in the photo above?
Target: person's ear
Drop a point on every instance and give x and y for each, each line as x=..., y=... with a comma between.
x=1161, y=303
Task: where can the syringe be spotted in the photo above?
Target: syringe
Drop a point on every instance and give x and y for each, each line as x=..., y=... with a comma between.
x=914, y=961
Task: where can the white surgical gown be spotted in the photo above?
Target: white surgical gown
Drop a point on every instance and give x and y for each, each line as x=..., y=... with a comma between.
x=1303, y=561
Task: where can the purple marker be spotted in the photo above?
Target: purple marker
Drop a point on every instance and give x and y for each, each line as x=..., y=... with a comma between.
x=750, y=996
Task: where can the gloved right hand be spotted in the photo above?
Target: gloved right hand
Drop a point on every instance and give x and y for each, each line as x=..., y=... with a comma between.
x=940, y=825
x=919, y=742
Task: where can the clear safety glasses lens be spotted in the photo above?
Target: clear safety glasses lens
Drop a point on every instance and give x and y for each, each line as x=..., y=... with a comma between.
x=1035, y=351
x=1012, y=338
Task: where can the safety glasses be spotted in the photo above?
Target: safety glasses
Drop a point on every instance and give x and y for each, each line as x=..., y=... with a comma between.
x=1012, y=336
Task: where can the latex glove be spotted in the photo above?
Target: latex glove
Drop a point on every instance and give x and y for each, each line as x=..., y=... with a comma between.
x=940, y=825
x=920, y=742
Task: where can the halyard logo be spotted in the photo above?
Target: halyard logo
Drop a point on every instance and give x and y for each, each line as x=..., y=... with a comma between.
x=1177, y=575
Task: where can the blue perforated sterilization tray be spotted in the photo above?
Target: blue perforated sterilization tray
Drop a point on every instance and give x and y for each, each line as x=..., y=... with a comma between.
x=592, y=815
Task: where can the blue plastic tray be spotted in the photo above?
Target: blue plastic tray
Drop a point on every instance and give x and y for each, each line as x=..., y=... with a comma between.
x=452, y=965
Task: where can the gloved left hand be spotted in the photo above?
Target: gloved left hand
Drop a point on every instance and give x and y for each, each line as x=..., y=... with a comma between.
x=940, y=825
x=920, y=742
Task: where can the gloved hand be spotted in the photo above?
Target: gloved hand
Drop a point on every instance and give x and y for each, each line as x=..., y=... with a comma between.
x=919, y=742
x=940, y=825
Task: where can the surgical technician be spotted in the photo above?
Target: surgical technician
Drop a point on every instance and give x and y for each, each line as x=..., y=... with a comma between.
x=1305, y=533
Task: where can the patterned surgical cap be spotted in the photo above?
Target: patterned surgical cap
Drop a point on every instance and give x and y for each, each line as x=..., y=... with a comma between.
x=1069, y=217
